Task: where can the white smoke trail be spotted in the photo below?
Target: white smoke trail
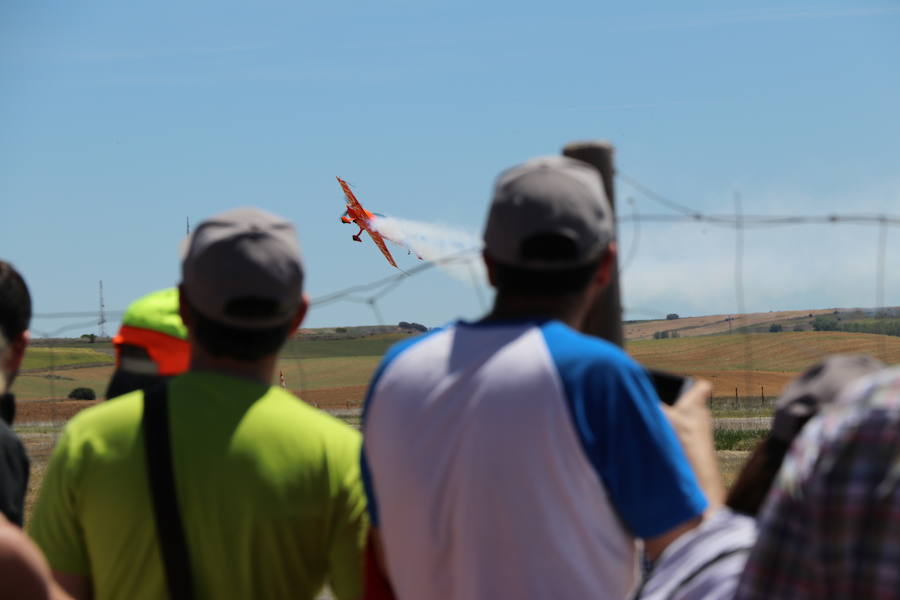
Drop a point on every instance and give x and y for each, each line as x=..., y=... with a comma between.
x=435, y=242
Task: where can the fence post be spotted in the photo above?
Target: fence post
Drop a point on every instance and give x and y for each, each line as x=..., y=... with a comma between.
x=737, y=401
x=605, y=317
x=762, y=396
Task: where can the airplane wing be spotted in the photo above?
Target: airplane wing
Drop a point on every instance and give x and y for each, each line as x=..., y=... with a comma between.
x=355, y=208
x=352, y=202
x=379, y=241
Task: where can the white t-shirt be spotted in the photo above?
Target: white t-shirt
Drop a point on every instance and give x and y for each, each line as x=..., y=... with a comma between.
x=518, y=460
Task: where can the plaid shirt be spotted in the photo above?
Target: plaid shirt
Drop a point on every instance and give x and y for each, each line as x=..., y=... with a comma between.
x=831, y=525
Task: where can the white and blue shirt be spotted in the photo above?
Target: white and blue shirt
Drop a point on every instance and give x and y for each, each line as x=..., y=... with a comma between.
x=518, y=460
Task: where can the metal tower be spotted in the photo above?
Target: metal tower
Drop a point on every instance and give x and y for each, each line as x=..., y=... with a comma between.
x=102, y=320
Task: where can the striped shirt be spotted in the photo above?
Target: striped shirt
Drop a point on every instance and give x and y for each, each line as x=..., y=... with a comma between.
x=704, y=563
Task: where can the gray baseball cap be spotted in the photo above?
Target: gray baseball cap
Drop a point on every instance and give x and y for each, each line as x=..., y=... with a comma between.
x=551, y=195
x=818, y=386
x=243, y=253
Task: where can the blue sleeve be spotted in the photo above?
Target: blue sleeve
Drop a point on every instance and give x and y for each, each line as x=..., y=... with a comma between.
x=625, y=434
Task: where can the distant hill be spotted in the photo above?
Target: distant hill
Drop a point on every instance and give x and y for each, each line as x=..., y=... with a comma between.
x=357, y=331
x=789, y=320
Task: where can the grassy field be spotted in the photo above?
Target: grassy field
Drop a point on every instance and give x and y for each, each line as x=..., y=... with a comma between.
x=374, y=345
x=39, y=357
x=321, y=373
x=56, y=384
x=51, y=372
x=785, y=352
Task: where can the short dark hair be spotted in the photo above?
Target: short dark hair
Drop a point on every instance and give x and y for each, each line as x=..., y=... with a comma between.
x=532, y=282
x=752, y=485
x=232, y=342
x=548, y=248
x=15, y=302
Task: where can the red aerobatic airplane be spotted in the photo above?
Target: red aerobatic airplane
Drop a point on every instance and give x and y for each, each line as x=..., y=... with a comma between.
x=355, y=213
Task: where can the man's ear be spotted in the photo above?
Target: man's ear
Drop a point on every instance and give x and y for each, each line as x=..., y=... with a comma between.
x=183, y=309
x=17, y=351
x=301, y=312
x=605, y=271
x=490, y=267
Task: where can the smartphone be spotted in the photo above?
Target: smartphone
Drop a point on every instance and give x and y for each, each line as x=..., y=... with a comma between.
x=669, y=386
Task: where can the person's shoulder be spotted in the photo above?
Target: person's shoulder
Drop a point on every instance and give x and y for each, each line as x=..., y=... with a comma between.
x=109, y=415
x=568, y=344
x=402, y=346
x=8, y=437
x=408, y=348
x=291, y=408
x=325, y=439
x=22, y=568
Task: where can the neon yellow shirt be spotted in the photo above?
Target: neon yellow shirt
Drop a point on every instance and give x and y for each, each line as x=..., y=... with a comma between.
x=268, y=487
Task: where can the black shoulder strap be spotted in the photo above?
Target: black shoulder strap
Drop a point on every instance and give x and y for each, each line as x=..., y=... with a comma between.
x=169, y=528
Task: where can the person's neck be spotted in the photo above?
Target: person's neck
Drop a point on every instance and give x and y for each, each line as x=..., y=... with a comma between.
x=260, y=371
x=571, y=310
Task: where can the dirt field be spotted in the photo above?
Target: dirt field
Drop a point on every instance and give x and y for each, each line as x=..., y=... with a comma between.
x=60, y=411
x=50, y=411
x=335, y=398
x=747, y=383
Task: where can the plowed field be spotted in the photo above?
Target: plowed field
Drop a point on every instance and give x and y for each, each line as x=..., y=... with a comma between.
x=50, y=411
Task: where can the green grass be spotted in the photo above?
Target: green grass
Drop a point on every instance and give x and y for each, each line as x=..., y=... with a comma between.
x=354, y=421
x=57, y=384
x=39, y=428
x=37, y=357
x=726, y=407
x=742, y=412
x=52, y=372
x=374, y=345
x=104, y=346
x=735, y=439
x=322, y=373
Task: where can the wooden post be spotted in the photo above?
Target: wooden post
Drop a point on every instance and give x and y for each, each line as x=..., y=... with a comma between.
x=762, y=396
x=605, y=318
x=737, y=401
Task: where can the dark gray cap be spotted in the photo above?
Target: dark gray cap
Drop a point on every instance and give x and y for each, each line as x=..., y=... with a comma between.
x=243, y=253
x=553, y=195
x=818, y=386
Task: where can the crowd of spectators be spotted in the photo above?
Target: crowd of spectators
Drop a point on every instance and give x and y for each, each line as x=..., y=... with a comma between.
x=509, y=457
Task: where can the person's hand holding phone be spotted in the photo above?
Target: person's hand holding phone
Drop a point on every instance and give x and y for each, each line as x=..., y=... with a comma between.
x=692, y=420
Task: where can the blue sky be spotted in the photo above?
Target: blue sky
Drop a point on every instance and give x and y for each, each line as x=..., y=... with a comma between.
x=121, y=121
